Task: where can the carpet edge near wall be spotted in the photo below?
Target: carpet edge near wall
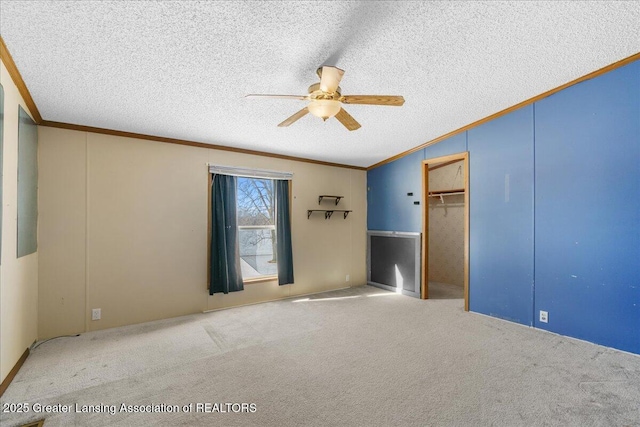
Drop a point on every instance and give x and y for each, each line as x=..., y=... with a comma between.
x=13, y=372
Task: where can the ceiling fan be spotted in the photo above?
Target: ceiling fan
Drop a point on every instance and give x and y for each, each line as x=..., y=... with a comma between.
x=326, y=99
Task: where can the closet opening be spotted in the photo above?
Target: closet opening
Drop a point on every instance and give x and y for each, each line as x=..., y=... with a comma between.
x=445, y=228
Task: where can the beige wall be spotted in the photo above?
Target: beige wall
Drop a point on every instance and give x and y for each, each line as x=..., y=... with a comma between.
x=123, y=227
x=61, y=234
x=446, y=226
x=18, y=276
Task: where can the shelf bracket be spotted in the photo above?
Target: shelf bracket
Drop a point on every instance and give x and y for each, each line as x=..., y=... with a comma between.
x=309, y=214
x=327, y=214
x=441, y=199
x=345, y=214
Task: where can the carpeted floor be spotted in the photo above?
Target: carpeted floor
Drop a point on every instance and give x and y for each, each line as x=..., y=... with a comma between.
x=445, y=291
x=355, y=357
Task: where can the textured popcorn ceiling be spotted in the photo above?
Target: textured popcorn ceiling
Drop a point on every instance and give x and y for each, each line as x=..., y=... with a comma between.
x=181, y=69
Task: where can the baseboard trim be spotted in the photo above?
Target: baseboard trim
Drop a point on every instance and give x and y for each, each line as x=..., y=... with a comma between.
x=211, y=310
x=13, y=372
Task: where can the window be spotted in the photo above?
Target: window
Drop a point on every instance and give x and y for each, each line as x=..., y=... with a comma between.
x=256, y=227
x=27, y=242
x=250, y=228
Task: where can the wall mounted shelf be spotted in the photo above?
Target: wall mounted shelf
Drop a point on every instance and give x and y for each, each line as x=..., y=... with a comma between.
x=327, y=213
x=324, y=196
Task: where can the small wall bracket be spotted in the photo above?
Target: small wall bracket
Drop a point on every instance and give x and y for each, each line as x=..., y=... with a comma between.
x=327, y=213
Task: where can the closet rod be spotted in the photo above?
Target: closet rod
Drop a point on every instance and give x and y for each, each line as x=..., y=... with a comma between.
x=444, y=193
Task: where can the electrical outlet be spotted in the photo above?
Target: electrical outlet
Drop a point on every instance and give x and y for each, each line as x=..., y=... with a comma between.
x=96, y=314
x=346, y=279
x=544, y=316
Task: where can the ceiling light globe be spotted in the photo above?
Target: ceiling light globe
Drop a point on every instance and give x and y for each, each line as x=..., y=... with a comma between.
x=324, y=108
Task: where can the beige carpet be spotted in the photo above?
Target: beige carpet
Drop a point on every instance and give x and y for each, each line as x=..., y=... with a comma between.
x=354, y=357
x=445, y=291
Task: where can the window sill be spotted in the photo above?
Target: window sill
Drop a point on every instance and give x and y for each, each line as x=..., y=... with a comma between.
x=260, y=279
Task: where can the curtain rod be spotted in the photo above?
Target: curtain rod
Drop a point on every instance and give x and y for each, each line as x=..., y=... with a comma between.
x=249, y=172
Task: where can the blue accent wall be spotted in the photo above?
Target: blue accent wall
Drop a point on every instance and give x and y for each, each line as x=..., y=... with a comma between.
x=388, y=206
x=501, y=217
x=588, y=210
x=452, y=145
x=554, y=209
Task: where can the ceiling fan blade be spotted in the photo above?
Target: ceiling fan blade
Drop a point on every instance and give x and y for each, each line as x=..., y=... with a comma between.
x=295, y=117
x=301, y=97
x=394, y=101
x=330, y=78
x=346, y=119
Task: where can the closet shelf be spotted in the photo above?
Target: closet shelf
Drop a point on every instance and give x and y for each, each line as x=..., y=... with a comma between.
x=327, y=214
x=442, y=193
x=324, y=196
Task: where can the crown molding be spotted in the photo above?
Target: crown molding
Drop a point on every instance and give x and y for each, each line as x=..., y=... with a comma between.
x=112, y=132
x=7, y=59
x=506, y=111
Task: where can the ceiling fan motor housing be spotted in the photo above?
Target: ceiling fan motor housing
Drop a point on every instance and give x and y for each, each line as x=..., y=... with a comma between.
x=316, y=93
x=325, y=99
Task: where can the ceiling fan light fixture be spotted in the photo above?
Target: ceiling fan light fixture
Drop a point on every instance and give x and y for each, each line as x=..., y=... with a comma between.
x=327, y=99
x=324, y=108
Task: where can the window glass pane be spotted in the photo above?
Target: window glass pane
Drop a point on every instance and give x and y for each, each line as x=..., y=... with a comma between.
x=257, y=252
x=27, y=184
x=256, y=227
x=255, y=201
x=1, y=151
